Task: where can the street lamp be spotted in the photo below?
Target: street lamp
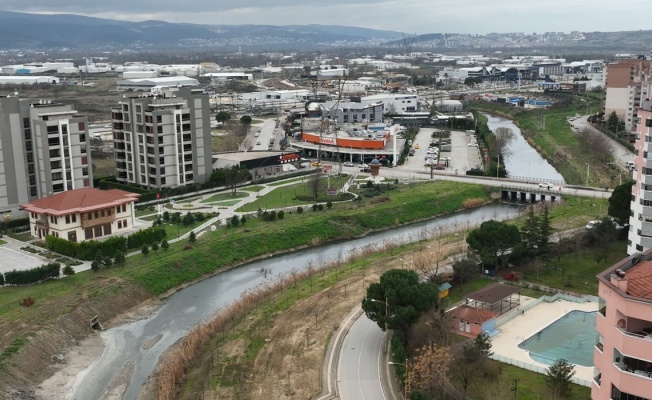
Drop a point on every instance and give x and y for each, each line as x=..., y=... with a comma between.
x=406, y=383
x=386, y=316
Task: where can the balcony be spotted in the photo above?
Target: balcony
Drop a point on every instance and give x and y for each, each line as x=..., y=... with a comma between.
x=89, y=223
x=42, y=223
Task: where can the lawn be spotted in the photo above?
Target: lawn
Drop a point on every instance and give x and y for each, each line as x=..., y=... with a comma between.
x=225, y=196
x=286, y=181
x=23, y=236
x=226, y=203
x=577, y=274
x=2, y=242
x=573, y=212
x=529, y=385
x=254, y=188
x=458, y=292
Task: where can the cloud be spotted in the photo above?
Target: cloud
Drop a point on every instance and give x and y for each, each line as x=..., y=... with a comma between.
x=410, y=16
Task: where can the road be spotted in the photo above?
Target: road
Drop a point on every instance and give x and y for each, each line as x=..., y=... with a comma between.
x=362, y=363
x=267, y=131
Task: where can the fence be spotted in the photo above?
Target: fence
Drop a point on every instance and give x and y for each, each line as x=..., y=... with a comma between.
x=508, y=316
x=531, y=179
x=535, y=368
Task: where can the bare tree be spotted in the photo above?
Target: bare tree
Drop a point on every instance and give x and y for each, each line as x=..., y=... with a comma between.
x=503, y=137
x=315, y=184
x=598, y=145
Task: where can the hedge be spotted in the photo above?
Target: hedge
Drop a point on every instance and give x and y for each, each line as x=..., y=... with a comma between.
x=88, y=250
x=34, y=275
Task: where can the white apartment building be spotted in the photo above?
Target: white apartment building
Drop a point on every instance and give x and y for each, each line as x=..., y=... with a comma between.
x=163, y=140
x=394, y=103
x=44, y=149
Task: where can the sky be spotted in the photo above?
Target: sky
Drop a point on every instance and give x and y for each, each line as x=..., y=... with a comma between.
x=408, y=16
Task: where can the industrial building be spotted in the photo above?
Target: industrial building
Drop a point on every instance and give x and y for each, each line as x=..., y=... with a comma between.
x=156, y=84
x=44, y=149
x=163, y=140
x=28, y=80
x=395, y=103
x=350, y=112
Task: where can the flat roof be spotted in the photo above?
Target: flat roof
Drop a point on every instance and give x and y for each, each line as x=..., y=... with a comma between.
x=249, y=155
x=472, y=314
x=494, y=293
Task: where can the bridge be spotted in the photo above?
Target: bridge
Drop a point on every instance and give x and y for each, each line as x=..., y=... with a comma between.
x=530, y=193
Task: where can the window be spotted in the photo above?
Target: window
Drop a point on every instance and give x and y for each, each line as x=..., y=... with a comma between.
x=67, y=219
x=72, y=236
x=81, y=127
x=159, y=119
x=82, y=138
x=74, y=218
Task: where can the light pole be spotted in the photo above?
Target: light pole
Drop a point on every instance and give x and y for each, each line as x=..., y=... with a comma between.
x=406, y=383
x=587, y=174
x=386, y=316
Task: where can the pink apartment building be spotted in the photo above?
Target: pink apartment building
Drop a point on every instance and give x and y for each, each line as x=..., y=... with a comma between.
x=623, y=352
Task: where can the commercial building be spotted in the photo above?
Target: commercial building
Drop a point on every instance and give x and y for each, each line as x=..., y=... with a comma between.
x=261, y=164
x=623, y=351
x=44, y=149
x=395, y=103
x=345, y=112
x=82, y=214
x=29, y=80
x=156, y=84
x=163, y=140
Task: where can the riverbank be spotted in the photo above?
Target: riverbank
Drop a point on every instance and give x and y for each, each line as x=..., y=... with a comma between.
x=555, y=140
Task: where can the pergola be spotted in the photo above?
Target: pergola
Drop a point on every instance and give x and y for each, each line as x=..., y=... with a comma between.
x=498, y=298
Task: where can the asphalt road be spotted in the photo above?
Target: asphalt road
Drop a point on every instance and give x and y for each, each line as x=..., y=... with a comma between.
x=362, y=361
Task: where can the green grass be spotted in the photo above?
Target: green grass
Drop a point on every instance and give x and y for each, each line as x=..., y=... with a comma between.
x=174, y=230
x=225, y=196
x=569, y=273
x=286, y=181
x=23, y=236
x=530, y=385
x=12, y=349
x=254, y=188
x=226, y=203
x=2, y=242
x=226, y=247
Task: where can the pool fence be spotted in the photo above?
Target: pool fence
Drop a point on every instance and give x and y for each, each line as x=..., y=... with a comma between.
x=535, y=368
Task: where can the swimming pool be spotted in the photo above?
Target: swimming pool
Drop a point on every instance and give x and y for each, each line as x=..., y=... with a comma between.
x=571, y=337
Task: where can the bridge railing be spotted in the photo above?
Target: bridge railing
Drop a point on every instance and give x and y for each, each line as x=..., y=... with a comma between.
x=537, y=180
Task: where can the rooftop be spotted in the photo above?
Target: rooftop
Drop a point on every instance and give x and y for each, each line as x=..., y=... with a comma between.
x=472, y=314
x=639, y=280
x=80, y=200
x=250, y=155
x=494, y=293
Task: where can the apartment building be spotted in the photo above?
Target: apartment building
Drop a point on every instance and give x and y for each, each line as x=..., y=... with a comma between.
x=82, y=214
x=44, y=149
x=623, y=91
x=623, y=351
x=163, y=140
x=640, y=220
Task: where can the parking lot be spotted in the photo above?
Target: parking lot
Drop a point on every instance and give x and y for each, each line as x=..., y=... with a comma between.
x=20, y=260
x=462, y=156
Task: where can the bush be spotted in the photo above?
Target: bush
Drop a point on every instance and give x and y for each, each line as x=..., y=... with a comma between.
x=119, y=258
x=329, y=204
x=26, y=302
x=235, y=221
x=314, y=207
x=299, y=209
x=166, y=216
x=2, y=280
x=145, y=250
x=68, y=270
x=188, y=247
x=243, y=219
x=95, y=265
x=86, y=250
x=271, y=216
x=320, y=207
x=34, y=275
x=107, y=261
x=145, y=236
x=280, y=214
x=192, y=236
x=165, y=245
x=155, y=246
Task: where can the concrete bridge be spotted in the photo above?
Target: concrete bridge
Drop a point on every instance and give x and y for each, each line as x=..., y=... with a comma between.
x=531, y=194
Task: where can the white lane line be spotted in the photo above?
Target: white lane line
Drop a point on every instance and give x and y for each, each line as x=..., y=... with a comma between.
x=364, y=339
x=380, y=353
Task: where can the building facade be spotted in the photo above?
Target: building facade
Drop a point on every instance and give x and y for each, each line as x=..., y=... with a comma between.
x=82, y=214
x=350, y=112
x=623, y=91
x=44, y=149
x=622, y=355
x=640, y=220
x=394, y=103
x=163, y=141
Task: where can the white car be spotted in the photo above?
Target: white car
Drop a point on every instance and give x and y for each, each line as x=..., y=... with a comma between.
x=546, y=185
x=348, y=164
x=473, y=144
x=363, y=166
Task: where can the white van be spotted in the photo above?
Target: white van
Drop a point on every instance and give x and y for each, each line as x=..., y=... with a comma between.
x=257, y=134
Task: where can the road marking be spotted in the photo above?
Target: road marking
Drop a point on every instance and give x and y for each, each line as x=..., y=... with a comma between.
x=360, y=360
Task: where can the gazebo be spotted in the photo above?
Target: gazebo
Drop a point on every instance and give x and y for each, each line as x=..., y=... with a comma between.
x=498, y=298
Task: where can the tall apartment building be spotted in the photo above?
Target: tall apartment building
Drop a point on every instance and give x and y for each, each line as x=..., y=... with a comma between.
x=43, y=150
x=622, y=356
x=640, y=220
x=623, y=91
x=163, y=140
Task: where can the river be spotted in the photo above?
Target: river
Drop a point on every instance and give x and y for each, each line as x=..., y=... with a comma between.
x=129, y=347
x=524, y=161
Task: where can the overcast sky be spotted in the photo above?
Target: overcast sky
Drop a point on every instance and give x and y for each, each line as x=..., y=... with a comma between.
x=409, y=16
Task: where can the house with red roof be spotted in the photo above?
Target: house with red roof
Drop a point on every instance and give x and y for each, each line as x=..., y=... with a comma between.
x=82, y=214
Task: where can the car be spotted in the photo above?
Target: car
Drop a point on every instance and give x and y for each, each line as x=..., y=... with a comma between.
x=440, y=167
x=416, y=146
x=546, y=185
x=365, y=169
x=258, y=143
x=348, y=164
x=363, y=165
x=474, y=144
x=257, y=134
x=411, y=152
x=315, y=164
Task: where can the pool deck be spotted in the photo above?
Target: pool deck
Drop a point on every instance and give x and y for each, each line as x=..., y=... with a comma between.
x=512, y=333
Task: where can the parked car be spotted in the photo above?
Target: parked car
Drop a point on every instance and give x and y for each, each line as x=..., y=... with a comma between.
x=363, y=166
x=546, y=185
x=348, y=164
x=440, y=167
x=473, y=144
x=258, y=143
x=411, y=152
x=365, y=169
x=315, y=164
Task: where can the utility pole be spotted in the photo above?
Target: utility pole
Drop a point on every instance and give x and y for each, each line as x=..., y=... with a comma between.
x=587, y=174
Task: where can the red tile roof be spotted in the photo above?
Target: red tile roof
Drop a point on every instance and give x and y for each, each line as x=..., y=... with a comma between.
x=472, y=314
x=639, y=280
x=80, y=200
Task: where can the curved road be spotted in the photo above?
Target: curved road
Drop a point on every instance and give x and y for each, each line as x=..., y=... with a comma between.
x=362, y=368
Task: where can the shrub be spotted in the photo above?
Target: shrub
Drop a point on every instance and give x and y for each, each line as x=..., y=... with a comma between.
x=370, y=184
x=265, y=216
x=155, y=246
x=320, y=207
x=165, y=245
x=299, y=209
x=2, y=280
x=119, y=258
x=329, y=204
x=95, y=265
x=145, y=250
x=470, y=203
x=26, y=302
x=68, y=270
x=192, y=236
x=314, y=207
x=280, y=214
x=188, y=247
x=106, y=260
x=271, y=216
x=243, y=219
x=166, y=215
x=145, y=236
x=33, y=275
x=235, y=221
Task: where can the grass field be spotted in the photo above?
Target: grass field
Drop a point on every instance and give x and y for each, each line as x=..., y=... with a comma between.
x=225, y=196
x=286, y=181
x=254, y=188
x=2, y=242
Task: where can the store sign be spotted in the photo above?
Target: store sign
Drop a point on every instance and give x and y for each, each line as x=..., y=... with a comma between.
x=331, y=141
x=290, y=157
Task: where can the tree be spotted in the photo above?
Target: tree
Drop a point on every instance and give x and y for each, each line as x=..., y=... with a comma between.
x=620, y=202
x=405, y=296
x=245, y=120
x=235, y=221
x=613, y=122
x=155, y=246
x=243, y=219
x=299, y=210
x=280, y=214
x=494, y=239
x=96, y=144
x=544, y=233
x=192, y=236
x=222, y=116
x=119, y=258
x=465, y=269
x=558, y=378
x=470, y=361
x=530, y=232
x=502, y=138
x=234, y=176
x=315, y=184
x=329, y=204
x=95, y=265
x=165, y=245
x=145, y=250
x=430, y=367
x=166, y=216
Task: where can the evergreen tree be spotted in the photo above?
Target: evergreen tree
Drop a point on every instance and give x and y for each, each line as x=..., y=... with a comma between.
x=530, y=232
x=545, y=230
x=155, y=246
x=559, y=378
x=192, y=236
x=119, y=258
x=95, y=265
x=165, y=245
x=145, y=250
